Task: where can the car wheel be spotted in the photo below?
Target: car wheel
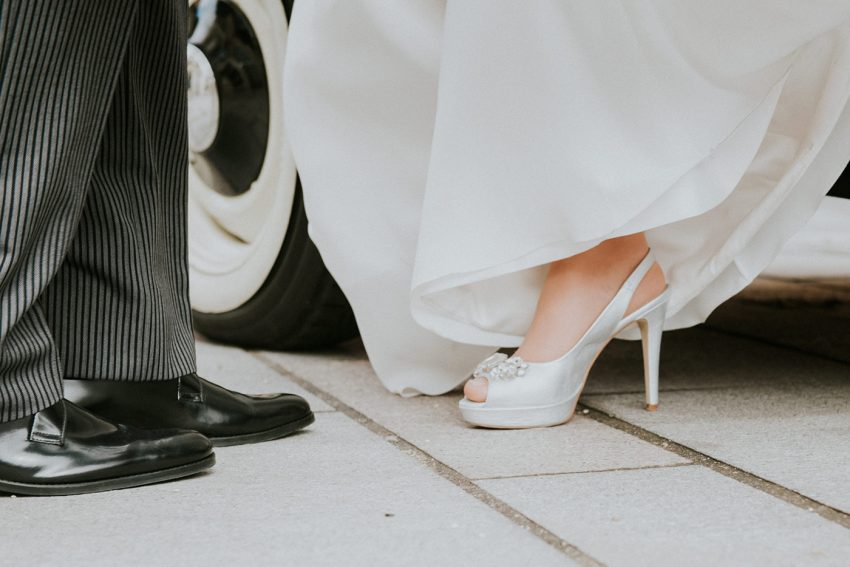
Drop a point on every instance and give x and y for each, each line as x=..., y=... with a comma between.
x=256, y=279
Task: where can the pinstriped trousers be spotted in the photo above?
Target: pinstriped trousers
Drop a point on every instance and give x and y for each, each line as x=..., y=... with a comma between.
x=93, y=174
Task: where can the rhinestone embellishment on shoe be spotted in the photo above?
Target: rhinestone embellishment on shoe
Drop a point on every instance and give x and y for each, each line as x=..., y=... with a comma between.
x=499, y=367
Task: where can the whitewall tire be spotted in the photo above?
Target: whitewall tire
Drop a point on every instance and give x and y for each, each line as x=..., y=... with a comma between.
x=255, y=277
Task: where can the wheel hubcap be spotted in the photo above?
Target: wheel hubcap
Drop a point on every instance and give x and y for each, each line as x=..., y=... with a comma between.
x=229, y=97
x=203, y=101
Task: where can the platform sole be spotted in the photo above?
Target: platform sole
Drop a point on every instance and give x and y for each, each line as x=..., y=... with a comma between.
x=130, y=481
x=266, y=435
x=518, y=418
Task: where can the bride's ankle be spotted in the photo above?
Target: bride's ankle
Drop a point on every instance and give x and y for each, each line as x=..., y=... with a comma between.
x=578, y=288
x=605, y=262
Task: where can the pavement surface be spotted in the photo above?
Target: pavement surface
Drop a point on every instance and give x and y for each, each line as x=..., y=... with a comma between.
x=747, y=462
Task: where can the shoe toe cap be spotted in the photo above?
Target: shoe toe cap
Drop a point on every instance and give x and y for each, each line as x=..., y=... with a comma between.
x=179, y=446
x=283, y=407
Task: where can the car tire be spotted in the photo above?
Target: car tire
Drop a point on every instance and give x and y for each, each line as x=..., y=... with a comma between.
x=299, y=306
x=256, y=278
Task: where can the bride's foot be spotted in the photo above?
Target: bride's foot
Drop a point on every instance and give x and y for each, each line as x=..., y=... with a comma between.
x=575, y=292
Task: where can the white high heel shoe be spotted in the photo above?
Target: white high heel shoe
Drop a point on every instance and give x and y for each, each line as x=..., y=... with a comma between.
x=539, y=394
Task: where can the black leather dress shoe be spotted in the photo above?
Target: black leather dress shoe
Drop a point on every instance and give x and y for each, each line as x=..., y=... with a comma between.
x=66, y=450
x=190, y=402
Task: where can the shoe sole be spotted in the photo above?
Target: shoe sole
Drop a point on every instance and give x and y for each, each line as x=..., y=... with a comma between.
x=266, y=435
x=518, y=418
x=130, y=481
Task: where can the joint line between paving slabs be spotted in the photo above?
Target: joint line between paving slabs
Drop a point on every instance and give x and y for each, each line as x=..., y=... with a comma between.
x=768, y=487
x=444, y=470
x=592, y=471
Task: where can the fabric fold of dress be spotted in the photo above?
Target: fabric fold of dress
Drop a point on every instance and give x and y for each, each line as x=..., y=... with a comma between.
x=450, y=151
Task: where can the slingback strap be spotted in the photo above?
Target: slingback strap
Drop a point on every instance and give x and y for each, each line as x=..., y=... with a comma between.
x=633, y=281
x=618, y=306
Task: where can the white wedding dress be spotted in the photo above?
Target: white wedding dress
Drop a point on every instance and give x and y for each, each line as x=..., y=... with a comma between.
x=449, y=151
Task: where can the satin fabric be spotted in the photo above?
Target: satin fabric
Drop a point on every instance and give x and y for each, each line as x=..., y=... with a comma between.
x=450, y=150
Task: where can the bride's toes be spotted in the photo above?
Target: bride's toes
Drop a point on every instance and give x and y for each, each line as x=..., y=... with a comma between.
x=475, y=390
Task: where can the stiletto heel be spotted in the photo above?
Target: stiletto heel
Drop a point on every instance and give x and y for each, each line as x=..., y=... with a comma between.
x=539, y=394
x=651, y=327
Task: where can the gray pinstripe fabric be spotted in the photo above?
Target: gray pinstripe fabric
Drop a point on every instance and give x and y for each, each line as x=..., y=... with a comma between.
x=93, y=160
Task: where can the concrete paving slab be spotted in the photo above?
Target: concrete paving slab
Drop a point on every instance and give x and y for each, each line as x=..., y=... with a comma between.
x=236, y=369
x=434, y=425
x=335, y=494
x=700, y=358
x=797, y=435
x=675, y=516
